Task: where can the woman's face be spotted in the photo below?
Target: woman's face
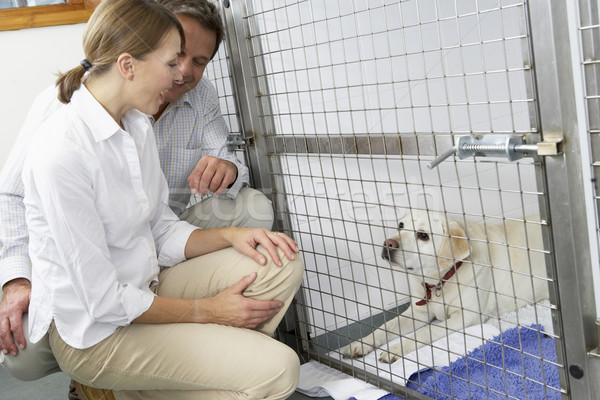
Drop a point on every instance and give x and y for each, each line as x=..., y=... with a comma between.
x=156, y=73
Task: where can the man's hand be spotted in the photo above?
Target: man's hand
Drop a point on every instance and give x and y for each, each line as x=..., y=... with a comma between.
x=231, y=308
x=15, y=301
x=212, y=173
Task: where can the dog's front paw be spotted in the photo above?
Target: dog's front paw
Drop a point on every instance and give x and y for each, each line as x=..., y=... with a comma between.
x=391, y=356
x=388, y=357
x=356, y=349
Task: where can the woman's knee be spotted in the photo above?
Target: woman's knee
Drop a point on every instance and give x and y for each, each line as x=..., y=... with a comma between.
x=295, y=270
x=289, y=274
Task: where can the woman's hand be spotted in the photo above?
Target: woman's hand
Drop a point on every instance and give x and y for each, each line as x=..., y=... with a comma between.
x=230, y=307
x=245, y=240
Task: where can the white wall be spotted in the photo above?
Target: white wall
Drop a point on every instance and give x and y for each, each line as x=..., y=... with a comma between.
x=30, y=60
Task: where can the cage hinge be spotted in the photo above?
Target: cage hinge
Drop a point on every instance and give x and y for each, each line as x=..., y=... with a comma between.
x=236, y=142
x=512, y=147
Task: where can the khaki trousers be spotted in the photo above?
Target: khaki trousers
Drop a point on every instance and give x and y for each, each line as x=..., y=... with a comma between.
x=196, y=361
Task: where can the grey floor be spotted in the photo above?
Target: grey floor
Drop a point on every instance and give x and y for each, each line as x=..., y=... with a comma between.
x=55, y=387
x=52, y=387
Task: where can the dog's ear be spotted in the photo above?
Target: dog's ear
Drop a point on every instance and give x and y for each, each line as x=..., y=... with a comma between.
x=456, y=246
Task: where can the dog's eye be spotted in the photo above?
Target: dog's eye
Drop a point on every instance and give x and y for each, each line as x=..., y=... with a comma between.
x=401, y=225
x=422, y=236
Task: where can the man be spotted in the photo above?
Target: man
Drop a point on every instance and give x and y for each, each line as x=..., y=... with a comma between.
x=180, y=146
x=188, y=128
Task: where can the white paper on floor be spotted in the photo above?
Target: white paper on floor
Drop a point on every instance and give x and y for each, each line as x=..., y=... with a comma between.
x=318, y=380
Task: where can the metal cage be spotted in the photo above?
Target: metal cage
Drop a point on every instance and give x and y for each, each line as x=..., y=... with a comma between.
x=354, y=115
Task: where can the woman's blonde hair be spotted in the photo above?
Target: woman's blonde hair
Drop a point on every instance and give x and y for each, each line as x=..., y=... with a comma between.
x=116, y=27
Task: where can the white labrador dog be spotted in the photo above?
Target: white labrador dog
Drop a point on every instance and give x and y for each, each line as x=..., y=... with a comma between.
x=459, y=274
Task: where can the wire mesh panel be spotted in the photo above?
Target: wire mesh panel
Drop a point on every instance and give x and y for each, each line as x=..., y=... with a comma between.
x=355, y=99
x=218, y=73
x=589, y=66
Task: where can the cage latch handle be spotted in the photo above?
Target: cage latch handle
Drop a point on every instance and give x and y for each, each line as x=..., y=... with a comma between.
x=235, y=142
x=512, y=147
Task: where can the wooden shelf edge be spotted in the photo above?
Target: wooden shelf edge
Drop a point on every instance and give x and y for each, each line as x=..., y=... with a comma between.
x=39, y=16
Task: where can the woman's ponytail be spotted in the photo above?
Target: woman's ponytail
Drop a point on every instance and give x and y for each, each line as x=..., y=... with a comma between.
x=69, y=82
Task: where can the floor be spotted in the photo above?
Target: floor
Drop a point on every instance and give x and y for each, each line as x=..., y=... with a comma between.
x=52, y=387
x=55, y=387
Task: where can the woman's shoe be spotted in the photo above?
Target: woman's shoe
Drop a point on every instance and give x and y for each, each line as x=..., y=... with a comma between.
x=77, y=391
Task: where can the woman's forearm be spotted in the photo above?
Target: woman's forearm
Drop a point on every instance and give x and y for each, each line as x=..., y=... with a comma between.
x=166, y=310
x=204, y=241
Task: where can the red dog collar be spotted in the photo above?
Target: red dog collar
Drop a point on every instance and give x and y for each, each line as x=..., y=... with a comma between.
x=429, y=287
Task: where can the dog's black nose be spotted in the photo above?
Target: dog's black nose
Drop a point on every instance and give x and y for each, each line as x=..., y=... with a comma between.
x=389, y=246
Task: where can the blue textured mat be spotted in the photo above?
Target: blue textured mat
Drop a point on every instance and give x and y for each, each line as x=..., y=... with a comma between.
x=519, y=363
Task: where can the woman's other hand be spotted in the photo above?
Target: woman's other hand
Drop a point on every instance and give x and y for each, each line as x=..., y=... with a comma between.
x=245, y=241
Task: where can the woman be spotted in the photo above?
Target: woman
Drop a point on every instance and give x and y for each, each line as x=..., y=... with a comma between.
x=100, y=226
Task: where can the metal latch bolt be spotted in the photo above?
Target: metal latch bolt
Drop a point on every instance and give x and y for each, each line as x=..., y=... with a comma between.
x=234, y=142
x=512, y=147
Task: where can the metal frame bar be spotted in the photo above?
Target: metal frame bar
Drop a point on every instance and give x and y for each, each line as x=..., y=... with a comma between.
x=558, y=116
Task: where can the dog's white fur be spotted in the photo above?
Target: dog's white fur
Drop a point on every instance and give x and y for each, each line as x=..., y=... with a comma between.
x=498, y=274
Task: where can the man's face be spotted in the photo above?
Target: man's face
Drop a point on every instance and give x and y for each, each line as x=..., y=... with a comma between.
x=199, y=46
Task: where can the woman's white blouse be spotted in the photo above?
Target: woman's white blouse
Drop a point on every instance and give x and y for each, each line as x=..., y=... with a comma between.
x=99, y=221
